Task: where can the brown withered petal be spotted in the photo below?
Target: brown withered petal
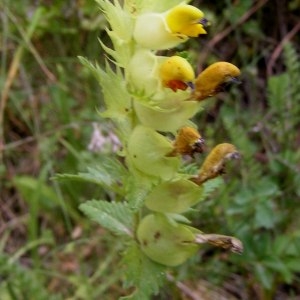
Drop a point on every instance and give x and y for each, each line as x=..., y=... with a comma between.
x=210, y=81
x=188, y=141
x=223, y=241
x=214, y=163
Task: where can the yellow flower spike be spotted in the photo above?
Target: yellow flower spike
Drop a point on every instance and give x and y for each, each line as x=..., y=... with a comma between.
x=211, y=80
x=186, y=20
x=188, y=141
x=214, y=163
x=176, y=73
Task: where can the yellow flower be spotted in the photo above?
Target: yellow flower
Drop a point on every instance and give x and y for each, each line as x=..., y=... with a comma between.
x=176, y=73
x=186, y=20
x=210, y=81
x=167, y=30
x=150, y=73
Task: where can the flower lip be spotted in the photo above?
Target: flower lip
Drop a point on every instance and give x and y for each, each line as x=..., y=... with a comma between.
x=190, y=84
x=186, y=20
x=176, y=73
x=234, y=155
x=175, y=85
x=226, y=84
x=204, y=22
x=234, y=80
x=198, y=145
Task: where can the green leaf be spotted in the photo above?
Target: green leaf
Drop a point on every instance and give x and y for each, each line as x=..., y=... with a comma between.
x=293, y=264
x=18, y=282
x=211, y=185
x=116, y=97
x=279, y=266
x=136, y=190
x=33, y=188
x=264, y=215
x=116, y=217
x=278, y=87
x=108, y=173
x=142, y=273
x=265, y=276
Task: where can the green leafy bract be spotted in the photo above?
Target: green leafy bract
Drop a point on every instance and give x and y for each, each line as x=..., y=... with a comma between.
x=142, y=273
x=148, y=151
x=117, y=98
x=108, y=173
x=116, y=217
x=174, y=196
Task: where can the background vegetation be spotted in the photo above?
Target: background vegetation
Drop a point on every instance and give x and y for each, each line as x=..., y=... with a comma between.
x=48, y=118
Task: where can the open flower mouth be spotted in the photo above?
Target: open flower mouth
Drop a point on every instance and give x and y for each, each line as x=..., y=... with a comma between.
x=234, y=80
x=204, y=22
x=176, y=85
x=224, y=86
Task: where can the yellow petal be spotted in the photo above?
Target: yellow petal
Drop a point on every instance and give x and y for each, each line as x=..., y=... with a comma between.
x=209, y=82
x=185, y=20
x=174, y=70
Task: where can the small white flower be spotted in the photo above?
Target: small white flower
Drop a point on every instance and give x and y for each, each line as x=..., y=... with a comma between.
x=102, y=141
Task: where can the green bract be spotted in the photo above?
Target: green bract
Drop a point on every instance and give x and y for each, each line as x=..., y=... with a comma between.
x=166, y=241
x=169, y=119
x=174, y=196
x=143, y=72
x=148, y=150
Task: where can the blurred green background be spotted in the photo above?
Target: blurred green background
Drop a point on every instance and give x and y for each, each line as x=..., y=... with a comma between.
x=48, y=125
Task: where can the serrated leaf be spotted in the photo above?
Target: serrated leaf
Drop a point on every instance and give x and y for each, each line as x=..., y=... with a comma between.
x=264, y=215
x=264, y=275
x=136, y=190
x=31, y=187
x=116, y=217
x=108, y=174
x=117, y=98
x=142, y=273
x=277, y=265
x=212, y=185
